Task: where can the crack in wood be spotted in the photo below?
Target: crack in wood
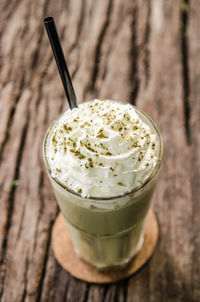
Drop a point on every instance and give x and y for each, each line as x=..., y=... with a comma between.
x=21, y=225
x=115, y=295
x=25, y=30
x=97, y=56
x=86, y=293
x=40, y=286
x=25, y=280
x=105, y=289
x=42, y=77
x=79, y=27
x=185, y=66
x=11, y=116
x=146, y=49
x=41, y=198
x=78, y=34
x=134, y=79
x=65, y=292
x=125, y=291
x=36, y=54
x=10, y=120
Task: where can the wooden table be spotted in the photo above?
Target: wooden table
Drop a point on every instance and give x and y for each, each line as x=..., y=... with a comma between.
x=144, y=52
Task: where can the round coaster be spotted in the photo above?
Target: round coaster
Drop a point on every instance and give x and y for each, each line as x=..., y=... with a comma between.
x=67, y=258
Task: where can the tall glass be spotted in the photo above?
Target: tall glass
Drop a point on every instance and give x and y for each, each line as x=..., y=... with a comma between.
x=107, y=232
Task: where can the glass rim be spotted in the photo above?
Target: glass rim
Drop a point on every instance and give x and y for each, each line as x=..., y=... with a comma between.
x=136, y=189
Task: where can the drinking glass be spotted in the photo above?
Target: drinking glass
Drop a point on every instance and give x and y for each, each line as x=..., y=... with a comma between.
x=107, y=232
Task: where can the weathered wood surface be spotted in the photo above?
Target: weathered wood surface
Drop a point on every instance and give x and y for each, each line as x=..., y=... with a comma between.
x=145, y=52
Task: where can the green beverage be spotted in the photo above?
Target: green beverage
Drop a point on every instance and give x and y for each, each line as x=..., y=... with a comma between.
x=103, y=159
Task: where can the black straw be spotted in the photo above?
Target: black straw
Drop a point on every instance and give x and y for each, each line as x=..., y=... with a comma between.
x=60, y=60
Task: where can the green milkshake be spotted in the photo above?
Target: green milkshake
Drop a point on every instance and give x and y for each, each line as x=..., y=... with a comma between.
x=103, y=159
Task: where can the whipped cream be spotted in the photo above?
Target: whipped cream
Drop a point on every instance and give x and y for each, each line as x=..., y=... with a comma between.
x=102, y=149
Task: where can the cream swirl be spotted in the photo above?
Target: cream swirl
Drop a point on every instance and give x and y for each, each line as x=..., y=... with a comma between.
x=102, y=149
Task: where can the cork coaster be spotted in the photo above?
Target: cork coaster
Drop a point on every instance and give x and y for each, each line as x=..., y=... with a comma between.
x=67, y=258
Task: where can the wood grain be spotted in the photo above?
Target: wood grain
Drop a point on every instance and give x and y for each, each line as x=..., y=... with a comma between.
x=144, y=52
